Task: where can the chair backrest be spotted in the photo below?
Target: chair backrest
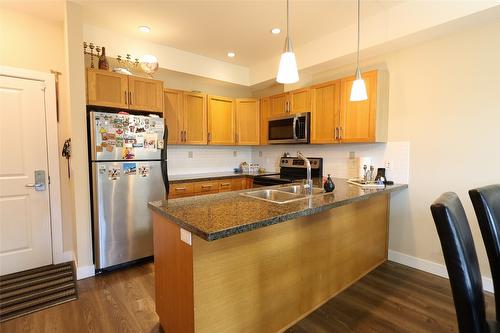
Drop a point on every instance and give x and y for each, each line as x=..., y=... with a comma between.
x=486, y=202
x=461, y=262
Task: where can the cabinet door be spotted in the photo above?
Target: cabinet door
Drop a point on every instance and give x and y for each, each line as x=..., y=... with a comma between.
x=195, y=118
x=172, y=112
x=325, y=112
x=247, y=121
x=221, y=122
x=145, y=94
x=357, y=119
x=279, y=105
x=238, y=184
x=264, y=118
x=300, y=100
x=107, y=89
x=206, y=187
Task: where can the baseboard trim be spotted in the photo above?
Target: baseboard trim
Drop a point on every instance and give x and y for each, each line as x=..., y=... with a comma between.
x=64, y=257
x=85, y=272
x=430, y=267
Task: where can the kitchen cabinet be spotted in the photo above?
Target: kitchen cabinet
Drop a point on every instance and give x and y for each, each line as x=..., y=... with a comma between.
x=364, y=121
x=264, y=118
x=296, y=101
x=123, y=91
x=190, y=188
x=107, y=89
x=173, y=115
x=194, y=119
x=247, y=121
x=325, y=112
x=221, y=121
x=145, y=94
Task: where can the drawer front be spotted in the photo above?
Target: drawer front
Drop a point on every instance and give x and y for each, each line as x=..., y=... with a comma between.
x=238, y=184
x=206, y=187
x=181, y=190
x=225, y=185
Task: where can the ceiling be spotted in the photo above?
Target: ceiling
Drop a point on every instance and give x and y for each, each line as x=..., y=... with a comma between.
x=47, y=10
x=213, y=28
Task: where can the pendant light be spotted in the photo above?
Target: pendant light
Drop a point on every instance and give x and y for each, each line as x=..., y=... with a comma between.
x=358, y=90
x=287, y=71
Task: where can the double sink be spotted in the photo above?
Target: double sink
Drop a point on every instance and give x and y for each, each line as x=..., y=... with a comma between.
x=283, y=194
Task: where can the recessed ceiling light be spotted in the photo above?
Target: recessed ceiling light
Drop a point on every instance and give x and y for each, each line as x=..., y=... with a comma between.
x=144, y=28
x=231, y=54
x=275, y=31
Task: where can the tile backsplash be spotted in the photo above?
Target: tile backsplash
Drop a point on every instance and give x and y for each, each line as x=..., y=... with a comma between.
x=202, y=159
x=336, y=157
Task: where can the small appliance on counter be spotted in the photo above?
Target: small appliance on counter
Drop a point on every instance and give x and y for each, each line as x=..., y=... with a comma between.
x=128, y=165
x=292, y=169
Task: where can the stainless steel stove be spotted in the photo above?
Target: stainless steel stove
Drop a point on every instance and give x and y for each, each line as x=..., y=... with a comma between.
x=292, y=169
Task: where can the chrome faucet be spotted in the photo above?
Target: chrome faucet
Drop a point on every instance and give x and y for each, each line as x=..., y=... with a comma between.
x=309, y=183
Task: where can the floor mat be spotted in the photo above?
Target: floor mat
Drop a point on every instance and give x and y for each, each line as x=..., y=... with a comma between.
x=36, y=289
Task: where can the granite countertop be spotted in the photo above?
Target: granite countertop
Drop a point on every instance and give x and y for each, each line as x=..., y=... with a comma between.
x=172, y=179
x=225, y=214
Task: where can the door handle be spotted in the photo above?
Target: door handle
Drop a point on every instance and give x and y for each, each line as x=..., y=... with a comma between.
x=39, y=184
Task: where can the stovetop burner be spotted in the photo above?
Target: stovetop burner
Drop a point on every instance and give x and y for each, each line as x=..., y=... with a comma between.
x=292, y=169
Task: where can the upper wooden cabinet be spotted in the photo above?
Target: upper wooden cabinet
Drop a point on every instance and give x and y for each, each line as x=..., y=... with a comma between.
x=325, y=112
x=145, y=94
x=296, y=101
x=247, y=121
x=299, y=100
x=123, y=91
x=221, y=121
x=107, y=89
x=172, y=113
x=265, y=105
x=364, y=121
x=194, y=117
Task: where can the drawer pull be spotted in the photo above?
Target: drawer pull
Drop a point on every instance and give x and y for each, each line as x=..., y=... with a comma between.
x=225, y=184
x=180, y=188
x=206, y=186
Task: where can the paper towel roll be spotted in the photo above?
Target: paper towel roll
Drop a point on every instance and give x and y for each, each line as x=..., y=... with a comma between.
x=362, y=162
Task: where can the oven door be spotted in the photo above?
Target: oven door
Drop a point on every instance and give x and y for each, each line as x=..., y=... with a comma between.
x=289, y=129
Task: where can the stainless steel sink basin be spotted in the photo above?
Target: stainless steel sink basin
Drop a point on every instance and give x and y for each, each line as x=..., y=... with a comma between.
x=273, y=195
x=299, y=189
x=282, y=194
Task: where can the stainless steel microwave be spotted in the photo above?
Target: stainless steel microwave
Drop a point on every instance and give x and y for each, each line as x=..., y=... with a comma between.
x=290, y=129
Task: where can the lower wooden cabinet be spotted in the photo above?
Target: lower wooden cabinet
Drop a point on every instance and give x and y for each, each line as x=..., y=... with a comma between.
x=188, y=189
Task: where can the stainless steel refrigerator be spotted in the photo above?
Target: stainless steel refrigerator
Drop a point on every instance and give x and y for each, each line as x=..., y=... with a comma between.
x=129, y=169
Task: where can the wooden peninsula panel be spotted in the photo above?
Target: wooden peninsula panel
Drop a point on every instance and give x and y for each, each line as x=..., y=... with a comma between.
x=267, y=279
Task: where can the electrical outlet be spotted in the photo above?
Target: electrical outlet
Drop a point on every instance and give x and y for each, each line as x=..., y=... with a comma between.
x=388, y=165
x=190, y=154
x=235, y=153
x=260, y=153
x=352, y=155
x=185, y=236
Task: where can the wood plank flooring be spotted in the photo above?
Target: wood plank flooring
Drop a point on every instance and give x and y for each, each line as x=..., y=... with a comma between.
x=392, y=298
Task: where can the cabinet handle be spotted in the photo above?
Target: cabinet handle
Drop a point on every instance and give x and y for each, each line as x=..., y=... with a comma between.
x=225, y=184
x=236, y=137
x=185, y=136
x=129, y=98
x=341, y=132
x=180, y=188
x=126, y=100
x=209, y=137
x=335, y=133
x=206, y=186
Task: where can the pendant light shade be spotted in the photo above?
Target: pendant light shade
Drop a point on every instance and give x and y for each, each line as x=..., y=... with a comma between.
x=358, y=90
x=287, y=70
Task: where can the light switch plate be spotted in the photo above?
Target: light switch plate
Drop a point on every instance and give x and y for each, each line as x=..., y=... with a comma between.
x=186, y=236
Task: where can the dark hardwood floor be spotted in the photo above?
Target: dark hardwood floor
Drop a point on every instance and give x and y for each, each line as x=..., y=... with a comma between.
x=393, y=298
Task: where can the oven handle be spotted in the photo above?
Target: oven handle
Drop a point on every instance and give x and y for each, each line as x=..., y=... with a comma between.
x=295, y=120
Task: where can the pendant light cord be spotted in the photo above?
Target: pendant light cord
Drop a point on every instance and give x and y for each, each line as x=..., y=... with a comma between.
x=357, y=59
x=287, y=19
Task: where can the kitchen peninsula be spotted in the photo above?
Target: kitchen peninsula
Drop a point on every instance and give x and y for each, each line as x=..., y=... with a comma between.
x=231, y=263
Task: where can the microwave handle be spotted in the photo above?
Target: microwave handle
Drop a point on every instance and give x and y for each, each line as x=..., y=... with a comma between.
x=295, y=120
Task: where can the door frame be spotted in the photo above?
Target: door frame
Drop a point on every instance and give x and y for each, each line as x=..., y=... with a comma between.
x=48, y=83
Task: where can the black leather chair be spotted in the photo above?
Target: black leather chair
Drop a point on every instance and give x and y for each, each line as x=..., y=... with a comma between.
x=462, y=265
x=486, y=202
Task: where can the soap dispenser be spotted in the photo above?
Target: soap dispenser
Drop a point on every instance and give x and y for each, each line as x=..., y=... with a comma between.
x=329, y=186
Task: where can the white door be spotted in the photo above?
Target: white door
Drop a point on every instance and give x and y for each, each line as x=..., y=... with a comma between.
x=25, y=234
